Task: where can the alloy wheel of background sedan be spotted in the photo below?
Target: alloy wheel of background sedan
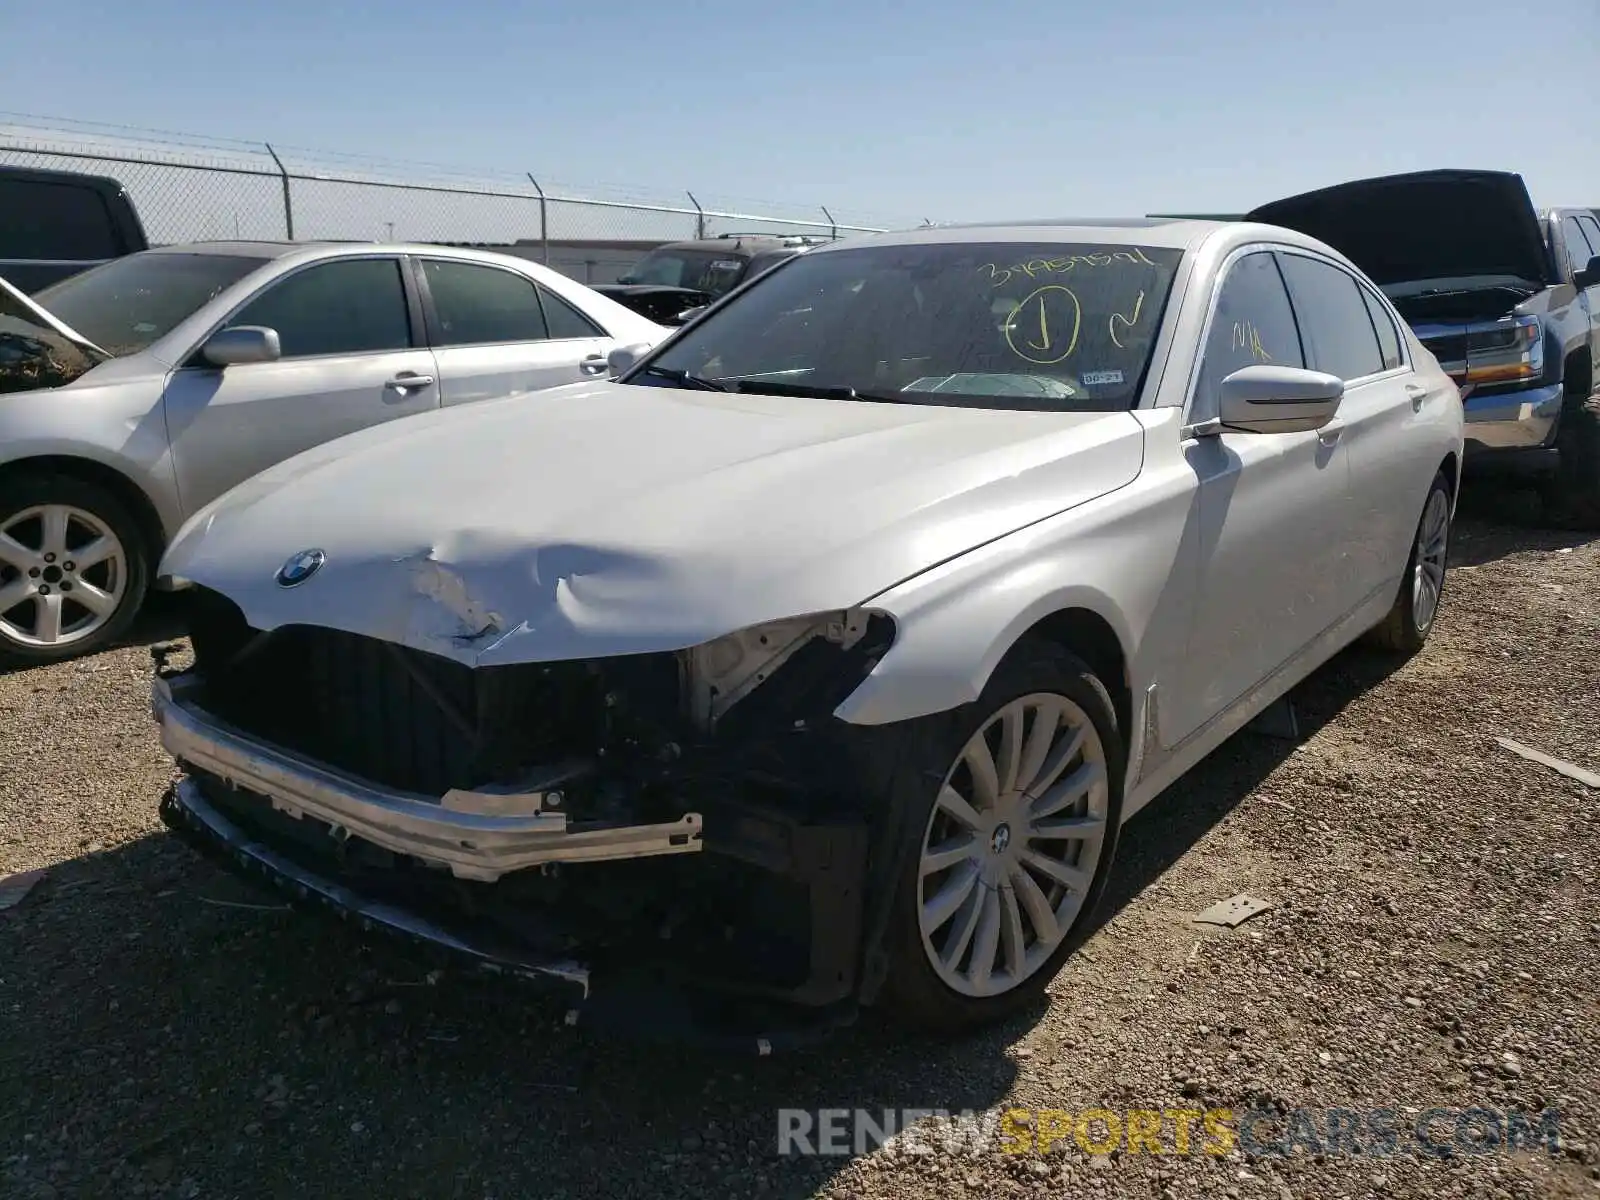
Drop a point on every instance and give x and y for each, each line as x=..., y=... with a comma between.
x=1433, y=543
x=1012, y=844
x=63, y=573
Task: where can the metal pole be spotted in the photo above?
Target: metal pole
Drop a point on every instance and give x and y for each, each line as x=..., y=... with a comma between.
x=288, y=201
x=544, y=223
x=833, y=226
x=699, y=216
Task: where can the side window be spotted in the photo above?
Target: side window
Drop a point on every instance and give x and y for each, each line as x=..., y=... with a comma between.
x=1253, y=324
x=1334, y=320
x=1578, y=249
x=1591, y=229
x=1388, y=335
x=356, y=306
x=564, y=320
x=54, y=220
x=477, y=304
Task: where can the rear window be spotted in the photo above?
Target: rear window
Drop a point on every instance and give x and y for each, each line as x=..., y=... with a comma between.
x=124, y=305
x=60, y=221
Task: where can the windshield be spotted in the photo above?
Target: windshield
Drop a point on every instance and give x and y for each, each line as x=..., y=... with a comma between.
x=703, y=270
x=124, y=305
x=992, y=325
x=32, y=354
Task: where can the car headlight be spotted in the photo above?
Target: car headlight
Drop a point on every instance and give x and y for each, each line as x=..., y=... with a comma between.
x=826, y=654
x=1511, y=351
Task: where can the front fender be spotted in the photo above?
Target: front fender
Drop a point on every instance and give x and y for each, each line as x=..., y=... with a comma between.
x=1124, y=557
x=116, y=425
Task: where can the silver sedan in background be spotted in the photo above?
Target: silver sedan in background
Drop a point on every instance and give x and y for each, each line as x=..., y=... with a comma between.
x=133, y=394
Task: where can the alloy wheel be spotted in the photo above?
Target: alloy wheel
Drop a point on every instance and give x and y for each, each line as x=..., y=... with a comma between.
x=63, y=573
x=1012, y=844
x=1433, y=543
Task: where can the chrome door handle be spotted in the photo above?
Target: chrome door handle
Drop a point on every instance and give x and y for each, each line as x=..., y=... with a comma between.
x=409, y=379
x=595, y=364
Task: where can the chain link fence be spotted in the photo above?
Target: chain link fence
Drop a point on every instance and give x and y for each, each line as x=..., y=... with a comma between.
x=186, y=189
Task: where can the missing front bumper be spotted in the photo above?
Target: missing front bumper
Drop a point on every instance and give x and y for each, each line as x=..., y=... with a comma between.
x=787, y=947
x=635, y=1004
x=479, y=835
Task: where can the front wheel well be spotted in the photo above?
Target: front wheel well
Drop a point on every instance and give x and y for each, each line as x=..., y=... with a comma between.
x=1090, y=636
x=1451, y=469
x=110, y=479
x=1577, y=376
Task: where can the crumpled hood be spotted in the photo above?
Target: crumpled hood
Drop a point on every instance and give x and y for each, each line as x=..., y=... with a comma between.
x=619, y=519
x=1425, y=225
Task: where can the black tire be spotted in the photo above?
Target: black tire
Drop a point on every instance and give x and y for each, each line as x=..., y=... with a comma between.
x=1400, y=632
x=21, y=492
x=913, y=994
x=1578, y=473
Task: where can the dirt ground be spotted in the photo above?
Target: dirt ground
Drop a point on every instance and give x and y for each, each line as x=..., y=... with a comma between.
x=166, y=1030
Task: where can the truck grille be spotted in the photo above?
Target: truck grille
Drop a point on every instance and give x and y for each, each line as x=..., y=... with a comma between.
x=418, y=722
x=1450, y=350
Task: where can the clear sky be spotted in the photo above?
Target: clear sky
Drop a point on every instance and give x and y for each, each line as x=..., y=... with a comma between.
x=951, y=110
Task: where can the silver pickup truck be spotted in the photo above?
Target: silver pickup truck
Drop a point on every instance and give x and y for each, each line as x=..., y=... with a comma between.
x=1506, y=297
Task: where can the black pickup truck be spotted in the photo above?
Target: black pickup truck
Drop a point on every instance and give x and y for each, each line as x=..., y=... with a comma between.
x=57, y=223
x=681, y=277
x=1505, y=296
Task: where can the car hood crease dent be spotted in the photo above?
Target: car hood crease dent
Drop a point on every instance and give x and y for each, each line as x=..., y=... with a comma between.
x=620, y=519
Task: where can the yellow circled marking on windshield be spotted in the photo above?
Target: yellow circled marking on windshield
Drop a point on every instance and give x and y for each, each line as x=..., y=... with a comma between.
x=1046, y=350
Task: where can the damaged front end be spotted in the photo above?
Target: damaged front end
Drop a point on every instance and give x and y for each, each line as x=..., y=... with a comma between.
x=695, y=823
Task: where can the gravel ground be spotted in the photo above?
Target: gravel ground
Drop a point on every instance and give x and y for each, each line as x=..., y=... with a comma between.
x=168, y=1031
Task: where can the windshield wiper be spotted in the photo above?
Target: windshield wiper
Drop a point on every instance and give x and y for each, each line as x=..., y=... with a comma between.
x=684, y=379
x=770, y=387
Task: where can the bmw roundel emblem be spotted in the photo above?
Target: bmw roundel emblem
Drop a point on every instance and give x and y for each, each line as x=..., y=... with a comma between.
x=300, y=568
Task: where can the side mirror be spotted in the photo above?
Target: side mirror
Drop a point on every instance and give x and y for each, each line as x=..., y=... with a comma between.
x=1267, y=399
x=1589, y=276
x=623, y=358
x=240, y=344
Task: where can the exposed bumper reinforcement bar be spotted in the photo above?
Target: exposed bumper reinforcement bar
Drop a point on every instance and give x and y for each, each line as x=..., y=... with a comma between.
x=479, y=836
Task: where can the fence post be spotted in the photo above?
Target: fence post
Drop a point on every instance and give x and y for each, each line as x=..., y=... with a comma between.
x=544, y=223
x=699, y=217
x=288, y=202
x=833, y=226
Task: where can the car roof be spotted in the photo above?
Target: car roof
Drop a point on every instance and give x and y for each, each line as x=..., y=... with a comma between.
x=751, y=242
x=100, y=183
x=1175, y=234
x=268, y=251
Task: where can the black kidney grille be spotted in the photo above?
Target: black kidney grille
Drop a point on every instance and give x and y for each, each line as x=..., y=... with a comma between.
x=405, y=719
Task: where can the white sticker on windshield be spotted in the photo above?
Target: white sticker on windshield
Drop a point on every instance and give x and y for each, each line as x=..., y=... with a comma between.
x=1090, y=378
x=726, y=264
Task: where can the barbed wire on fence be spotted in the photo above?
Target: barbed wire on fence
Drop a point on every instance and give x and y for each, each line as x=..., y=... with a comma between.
x=188, y=188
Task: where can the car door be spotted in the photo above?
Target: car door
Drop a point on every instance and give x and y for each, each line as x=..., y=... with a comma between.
x=1270, y=513
x=1387, y=415
x=1581, y=236
x=350, y=357
x=495, y=332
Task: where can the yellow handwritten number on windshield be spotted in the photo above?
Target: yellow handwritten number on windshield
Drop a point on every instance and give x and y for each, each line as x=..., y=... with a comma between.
x=1043, y=327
